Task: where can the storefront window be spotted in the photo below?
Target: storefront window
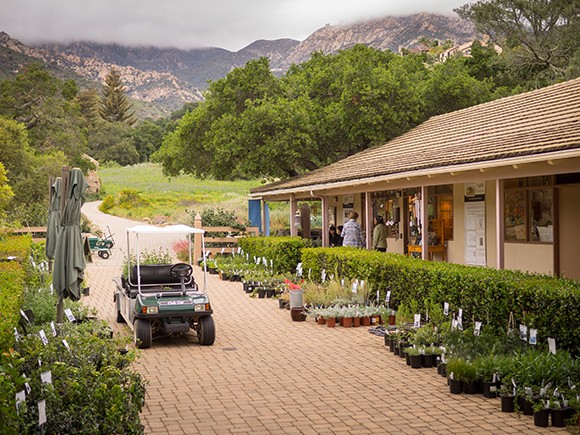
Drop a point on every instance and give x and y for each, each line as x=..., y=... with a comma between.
x=441, y=207
x=529, y=210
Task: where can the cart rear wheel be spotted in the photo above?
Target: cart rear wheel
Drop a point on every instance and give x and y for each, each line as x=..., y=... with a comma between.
x=143, y=337
x=206, y=331
x=104, y=254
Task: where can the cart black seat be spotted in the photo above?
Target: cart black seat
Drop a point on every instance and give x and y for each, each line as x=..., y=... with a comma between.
x=156, y=275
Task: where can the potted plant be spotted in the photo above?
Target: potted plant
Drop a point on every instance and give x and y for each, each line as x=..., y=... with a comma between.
x=561, y=412
x=329, y=314
x=488, y=367
x=507, y=395
x=542, y=412
x=415, y=357
x=463, y=372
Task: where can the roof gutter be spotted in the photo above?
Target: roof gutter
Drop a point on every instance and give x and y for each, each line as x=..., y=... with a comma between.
x=557, y=155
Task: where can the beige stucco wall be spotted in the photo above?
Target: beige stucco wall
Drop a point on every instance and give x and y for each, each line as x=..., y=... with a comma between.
x=569, y=227
x=529, y=257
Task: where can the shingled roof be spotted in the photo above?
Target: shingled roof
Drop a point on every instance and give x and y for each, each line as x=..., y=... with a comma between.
x=532, y=123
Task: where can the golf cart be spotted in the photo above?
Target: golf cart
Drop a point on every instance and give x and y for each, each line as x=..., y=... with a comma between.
x=162, y=299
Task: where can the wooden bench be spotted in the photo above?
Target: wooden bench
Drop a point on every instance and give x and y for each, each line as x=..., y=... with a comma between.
x=32, y=231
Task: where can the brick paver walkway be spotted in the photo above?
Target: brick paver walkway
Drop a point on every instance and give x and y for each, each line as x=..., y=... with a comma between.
x=267, y=374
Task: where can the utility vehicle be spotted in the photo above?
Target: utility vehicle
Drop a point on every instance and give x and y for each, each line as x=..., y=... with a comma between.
x=162, y=299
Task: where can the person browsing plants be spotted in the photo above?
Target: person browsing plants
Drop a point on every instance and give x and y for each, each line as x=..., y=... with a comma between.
x=352, y=232
x=379, y=234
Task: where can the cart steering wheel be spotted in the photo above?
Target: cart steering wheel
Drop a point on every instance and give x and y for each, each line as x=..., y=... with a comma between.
x=181, y=270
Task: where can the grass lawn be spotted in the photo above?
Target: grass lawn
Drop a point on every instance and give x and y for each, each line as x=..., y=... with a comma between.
x=165, y=199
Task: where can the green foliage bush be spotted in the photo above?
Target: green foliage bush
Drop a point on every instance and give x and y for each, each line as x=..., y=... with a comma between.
x=284, y=251
x=545, y=303
x=107, y=204
x=130, y=198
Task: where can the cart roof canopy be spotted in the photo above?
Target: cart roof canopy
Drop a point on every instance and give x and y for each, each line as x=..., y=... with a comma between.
x=169, y=229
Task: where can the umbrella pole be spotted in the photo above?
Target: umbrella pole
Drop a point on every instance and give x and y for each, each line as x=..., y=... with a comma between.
x=60, y=310
x=64, y=188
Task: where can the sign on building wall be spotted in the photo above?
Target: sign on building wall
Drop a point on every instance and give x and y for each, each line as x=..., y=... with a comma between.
x=475, y=253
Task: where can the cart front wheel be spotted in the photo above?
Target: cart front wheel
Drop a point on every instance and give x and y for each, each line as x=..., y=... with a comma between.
x=206, y=331
x=104, y=254
x=143, y=337
x=120, y=318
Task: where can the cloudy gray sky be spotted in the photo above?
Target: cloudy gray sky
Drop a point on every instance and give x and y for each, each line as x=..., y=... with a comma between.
x=186, y=24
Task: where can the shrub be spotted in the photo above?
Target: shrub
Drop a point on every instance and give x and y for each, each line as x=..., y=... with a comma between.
x=130, y=198
x=488, y=295
x=107, y=204
x=285, y=252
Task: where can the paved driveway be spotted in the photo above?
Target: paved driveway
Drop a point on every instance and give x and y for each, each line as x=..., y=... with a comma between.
x=267, y=374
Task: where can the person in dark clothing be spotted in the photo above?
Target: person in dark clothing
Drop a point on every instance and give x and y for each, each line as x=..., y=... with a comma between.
x=339, y=232
x=334, y=238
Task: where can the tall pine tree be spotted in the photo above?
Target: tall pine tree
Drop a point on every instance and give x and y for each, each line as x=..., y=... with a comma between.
x=115, y=106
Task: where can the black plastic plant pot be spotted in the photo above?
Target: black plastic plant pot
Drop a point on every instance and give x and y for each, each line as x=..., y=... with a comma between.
x=416, y=361
x=541, y=418
x=402, y=351
x=559, y=416
x=281, y=304
x=455, y=386
x=527, y=406
x=508, y=403
x=407, y=358
x=470, y=387
x=442, y=368
x=261, y=293
x=392, y=345
x=490, y=389
x=387, y=340
x=428, y=360
x=396, y=349
x=270, y=293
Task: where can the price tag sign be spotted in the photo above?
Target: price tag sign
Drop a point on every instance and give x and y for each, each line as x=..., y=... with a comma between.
x=54, y=334
x=533, y=337
x=43, y=337
x=417, y=322
x=46, y=377
x=477, y=329
x=41, y=412
x=69, y=315
x=446, y=308
x=552, y=345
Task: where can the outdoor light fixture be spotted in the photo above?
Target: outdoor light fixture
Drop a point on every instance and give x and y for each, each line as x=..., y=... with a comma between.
x=297, y=218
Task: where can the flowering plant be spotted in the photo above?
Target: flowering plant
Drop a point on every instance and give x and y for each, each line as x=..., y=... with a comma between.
x=291, y=285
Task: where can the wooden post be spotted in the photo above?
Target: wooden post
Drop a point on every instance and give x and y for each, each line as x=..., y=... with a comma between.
x=325, y=223
x=368, y=209
x=424, y=222
x=293, y=209
x=499, y=224
x=197, y=248
x=51, y=181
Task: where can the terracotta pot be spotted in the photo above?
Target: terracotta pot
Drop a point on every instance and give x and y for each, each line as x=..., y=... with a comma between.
x=365, y=321
x=356, y=322
x=331, y=322
x=346, y=322
x=321, y=320
x=392, y=319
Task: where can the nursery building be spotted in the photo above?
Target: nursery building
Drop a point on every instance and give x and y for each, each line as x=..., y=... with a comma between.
x=497, y=184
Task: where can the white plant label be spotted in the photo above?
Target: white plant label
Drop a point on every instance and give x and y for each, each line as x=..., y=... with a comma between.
x=354, y=287
x=23, y=314
x=533, y=336
x=69, y=315
x=20, y=398
x=460, y=314
x=46, y=377
x=16, y=336
x=477, y=329
x=223, y=250
x=388, y=296
x=53, y=329
x=446, y=308
x=264, y=261
x=41, y=412
x=271, y=264
x=552, y=345
x=66, y=344
x=51, y=289
x=239, y=250
x=43, y=337
x=27, y=387
x=378, y=296
x=524, y=332
x=362, y=283
x=323, y=275
x=417, y=322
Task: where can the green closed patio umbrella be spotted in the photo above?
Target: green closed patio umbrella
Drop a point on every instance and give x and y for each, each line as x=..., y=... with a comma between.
x=69, y=259
x=53, y=227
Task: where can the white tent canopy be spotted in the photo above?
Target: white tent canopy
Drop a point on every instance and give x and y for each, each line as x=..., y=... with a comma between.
x=169, y=229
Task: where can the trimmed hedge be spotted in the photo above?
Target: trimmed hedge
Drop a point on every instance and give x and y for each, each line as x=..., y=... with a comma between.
x=549, y=304
x=284, y=251
x=12, y=279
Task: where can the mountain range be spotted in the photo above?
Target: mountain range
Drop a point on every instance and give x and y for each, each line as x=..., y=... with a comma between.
x=166, y=78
